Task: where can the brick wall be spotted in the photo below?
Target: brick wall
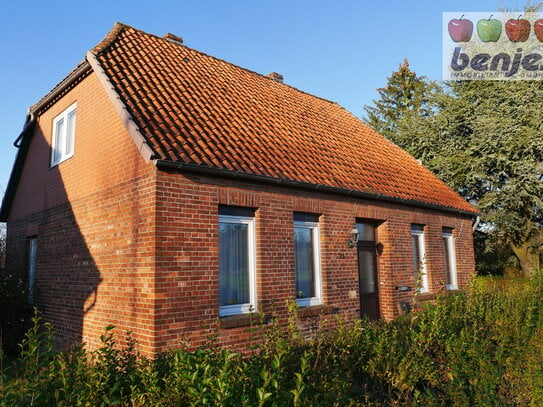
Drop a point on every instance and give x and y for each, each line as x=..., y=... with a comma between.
x=187, y=256
x=93, y=216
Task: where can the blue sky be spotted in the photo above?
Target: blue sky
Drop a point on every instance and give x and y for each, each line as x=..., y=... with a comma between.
x=338, y=50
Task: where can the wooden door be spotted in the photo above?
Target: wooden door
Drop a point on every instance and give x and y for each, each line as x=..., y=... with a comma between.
x=367, y=272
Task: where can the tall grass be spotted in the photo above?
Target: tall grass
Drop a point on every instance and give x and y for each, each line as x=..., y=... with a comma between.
x=480, y=347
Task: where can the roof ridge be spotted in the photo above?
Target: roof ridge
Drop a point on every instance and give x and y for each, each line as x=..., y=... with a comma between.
x=257, y=73
x=110, y=37
x=119, y=27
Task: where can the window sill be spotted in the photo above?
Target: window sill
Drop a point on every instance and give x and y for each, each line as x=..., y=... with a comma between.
x=236, y=321
x=314, y=310
x=54, y=165
x=452, y=289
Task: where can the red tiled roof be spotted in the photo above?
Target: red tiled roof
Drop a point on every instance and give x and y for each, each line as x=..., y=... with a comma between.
x=197, y=109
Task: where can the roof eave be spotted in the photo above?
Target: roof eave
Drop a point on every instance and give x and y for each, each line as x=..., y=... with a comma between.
x=58, y=91
x=133, y=130
x=85, y=68
x=307, y=186
x=22, y=142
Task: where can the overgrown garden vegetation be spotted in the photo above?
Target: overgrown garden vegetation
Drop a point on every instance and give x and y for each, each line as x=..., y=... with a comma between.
x=483, y=346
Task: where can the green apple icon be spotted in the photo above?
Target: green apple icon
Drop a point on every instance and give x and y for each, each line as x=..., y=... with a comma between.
x=489, y=30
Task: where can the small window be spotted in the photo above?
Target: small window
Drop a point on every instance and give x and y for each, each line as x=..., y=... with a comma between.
x=63, y=136
x=32, y=267
x=307, y=259
x=450, y=258
x=419, y=258
x=237, y=269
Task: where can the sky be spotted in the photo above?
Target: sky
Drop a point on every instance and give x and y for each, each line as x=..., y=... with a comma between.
x=339, y=50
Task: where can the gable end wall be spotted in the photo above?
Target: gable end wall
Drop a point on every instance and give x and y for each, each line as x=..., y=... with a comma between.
x=93, y=215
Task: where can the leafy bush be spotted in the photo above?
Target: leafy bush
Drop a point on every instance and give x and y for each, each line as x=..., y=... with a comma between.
x=480, y=347
x=15, y=312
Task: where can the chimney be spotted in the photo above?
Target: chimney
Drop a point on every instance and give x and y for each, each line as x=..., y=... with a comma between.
x=277, y=77
x=173, y=38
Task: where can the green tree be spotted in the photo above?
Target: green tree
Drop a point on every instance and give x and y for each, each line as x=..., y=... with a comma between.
x=488, y=137
x=403, y=101
x=484, y=138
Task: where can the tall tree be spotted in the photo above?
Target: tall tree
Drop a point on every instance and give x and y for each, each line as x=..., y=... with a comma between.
x=485, y=139
x=489, y=142
x=404, y=100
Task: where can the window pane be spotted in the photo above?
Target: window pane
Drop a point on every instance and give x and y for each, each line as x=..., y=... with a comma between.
x=233, y=264
x=59, y=137
x=448, y=260
x=32, y=265
x=417, y=239
x=305, y=267
x=305, y=217
x=367, y=271
x=365, y=232
x=236, y=211
x=416, y=253
x=70, y=133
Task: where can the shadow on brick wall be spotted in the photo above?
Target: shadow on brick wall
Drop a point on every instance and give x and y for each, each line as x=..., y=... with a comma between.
x=67, y=278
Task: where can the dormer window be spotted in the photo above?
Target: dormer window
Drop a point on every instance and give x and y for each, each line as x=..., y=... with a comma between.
x=63, y=136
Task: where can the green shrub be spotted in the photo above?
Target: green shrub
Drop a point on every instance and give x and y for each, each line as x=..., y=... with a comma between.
x=480, y=347
x=15, y=313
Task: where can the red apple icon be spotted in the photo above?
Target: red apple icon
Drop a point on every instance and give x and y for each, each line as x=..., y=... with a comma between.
x=517, y=30
x=538, y=29
x=460, y=30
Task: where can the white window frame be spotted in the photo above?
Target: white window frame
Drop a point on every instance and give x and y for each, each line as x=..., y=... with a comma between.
x=449, y=247
x=315, y=234
x=59, y=142
x=32, y=268
x=419, y=236
x=251, y=306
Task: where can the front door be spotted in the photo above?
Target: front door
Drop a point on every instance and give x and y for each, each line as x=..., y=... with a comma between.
x=367, y=272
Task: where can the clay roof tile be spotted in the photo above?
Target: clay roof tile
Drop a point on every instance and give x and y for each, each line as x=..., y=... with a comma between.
x=198, y=109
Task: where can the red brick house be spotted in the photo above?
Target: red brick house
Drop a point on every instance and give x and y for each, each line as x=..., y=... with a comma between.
x=170, y=193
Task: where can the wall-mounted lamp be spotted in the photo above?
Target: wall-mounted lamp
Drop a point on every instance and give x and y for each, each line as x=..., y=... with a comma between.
x=403, y=288
x=354, y=238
